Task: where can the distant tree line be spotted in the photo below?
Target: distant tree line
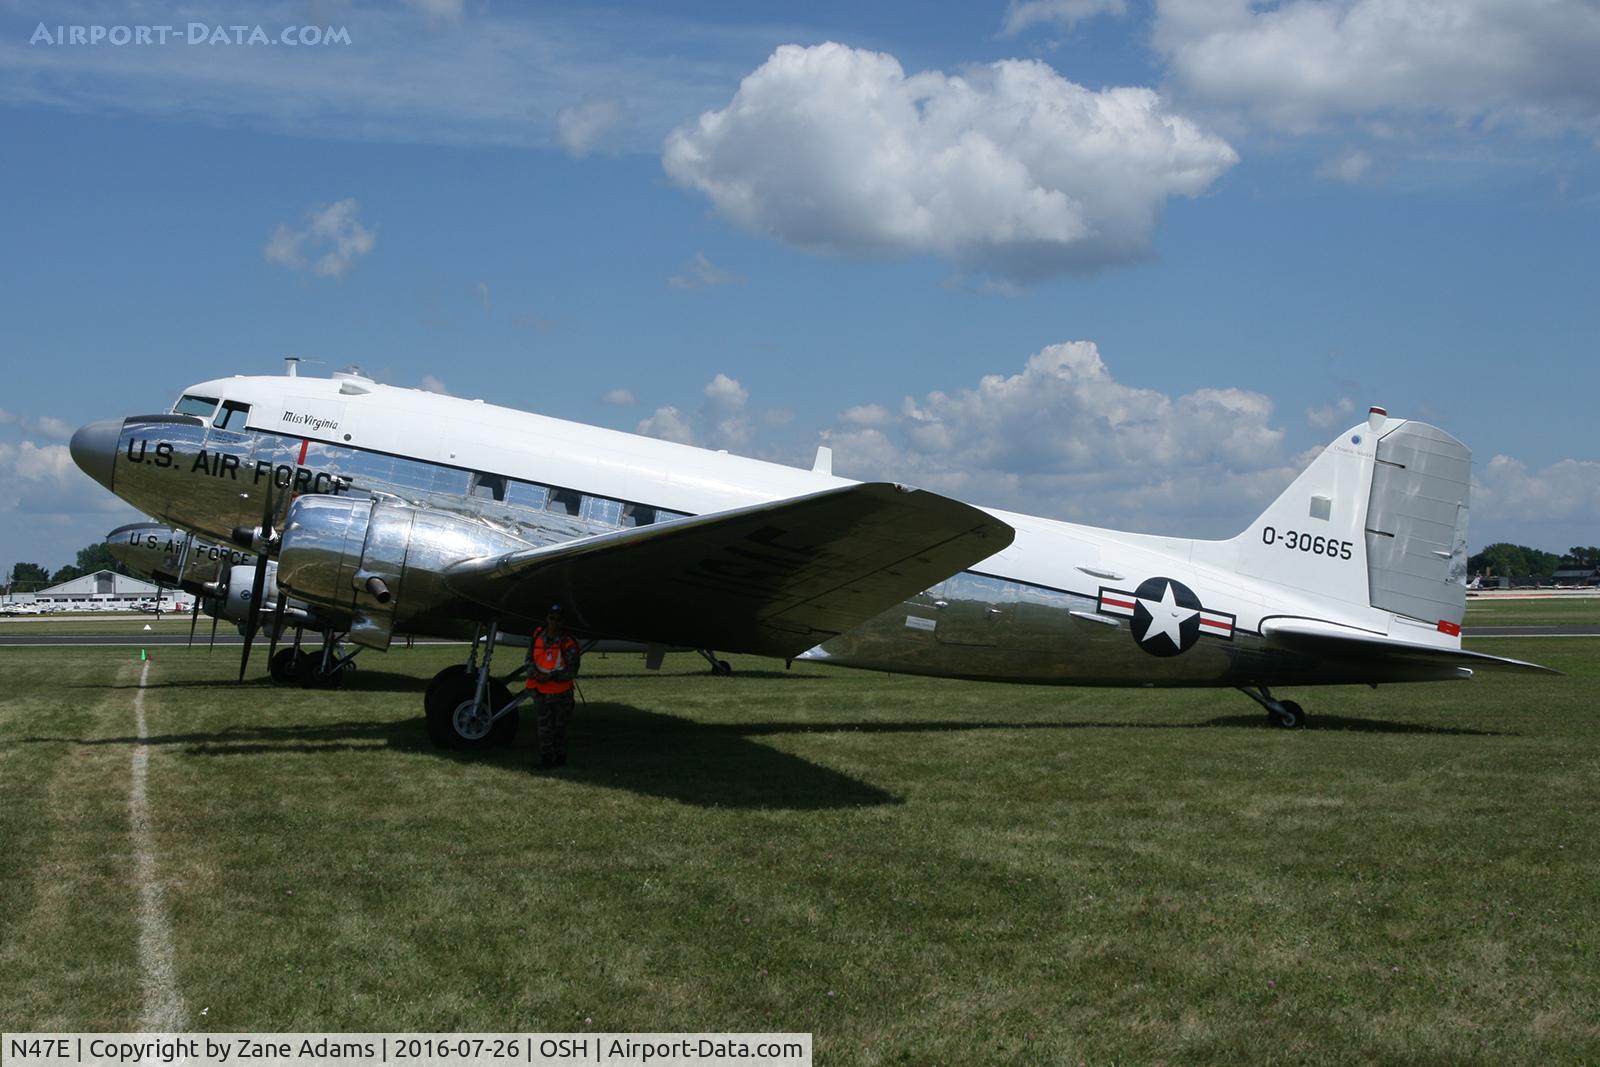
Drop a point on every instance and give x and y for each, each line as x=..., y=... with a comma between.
x=1501, y=559
x=1505, y=560
x=31, y=577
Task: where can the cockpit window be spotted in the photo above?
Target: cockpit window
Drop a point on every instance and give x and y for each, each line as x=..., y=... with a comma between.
x=231, y=415
x=195, y=405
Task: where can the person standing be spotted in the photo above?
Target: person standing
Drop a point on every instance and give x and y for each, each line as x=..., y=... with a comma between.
x=555, y=659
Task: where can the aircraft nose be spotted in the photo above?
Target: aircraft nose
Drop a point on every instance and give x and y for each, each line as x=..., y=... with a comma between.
x=94, y=449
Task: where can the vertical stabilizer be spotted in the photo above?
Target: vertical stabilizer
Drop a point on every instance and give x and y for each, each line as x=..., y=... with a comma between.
x=1379, y=520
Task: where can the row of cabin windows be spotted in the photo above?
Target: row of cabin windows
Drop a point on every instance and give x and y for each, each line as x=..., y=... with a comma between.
x=568, y=502
x=231, y=415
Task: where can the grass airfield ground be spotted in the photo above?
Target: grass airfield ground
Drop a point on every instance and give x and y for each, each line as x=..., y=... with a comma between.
x=918, y=871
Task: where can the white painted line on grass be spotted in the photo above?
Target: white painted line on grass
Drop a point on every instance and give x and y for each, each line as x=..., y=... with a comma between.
x=163, y=1005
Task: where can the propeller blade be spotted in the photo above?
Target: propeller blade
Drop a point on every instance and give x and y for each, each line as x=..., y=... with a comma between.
x=223, y=575
x=277, y=625
x=194, y=619
x=258, y=585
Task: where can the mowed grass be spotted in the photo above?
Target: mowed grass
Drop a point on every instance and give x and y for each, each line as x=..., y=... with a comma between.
x=917, y=871
x=108, y=623
x=1533, y=611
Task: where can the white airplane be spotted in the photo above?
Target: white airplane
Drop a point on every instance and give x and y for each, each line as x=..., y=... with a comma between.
x=375, y=511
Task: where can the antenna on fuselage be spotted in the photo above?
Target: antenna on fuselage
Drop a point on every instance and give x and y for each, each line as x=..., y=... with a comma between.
x=293, y=364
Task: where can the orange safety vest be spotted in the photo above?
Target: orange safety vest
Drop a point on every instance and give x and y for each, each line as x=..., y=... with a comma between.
x=559, y=654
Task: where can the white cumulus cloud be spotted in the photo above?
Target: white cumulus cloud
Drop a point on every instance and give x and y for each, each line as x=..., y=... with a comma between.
x=701, y=273
x=1332, y=414
x=582, y=128
x=329, y=245
x=1526, y=63
x=1007, y=169
x=669, y=424
x=1024, y=14
x=619, y=397
x=1063, y=437
x=722, y=421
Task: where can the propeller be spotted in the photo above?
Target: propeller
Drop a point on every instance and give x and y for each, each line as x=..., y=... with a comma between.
x=258, y=585
x=223, y=574
x=277, y=624
x=194, y=618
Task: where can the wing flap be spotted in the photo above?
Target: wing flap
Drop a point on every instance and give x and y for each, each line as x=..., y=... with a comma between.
x=1333, y=641
x=773, y=579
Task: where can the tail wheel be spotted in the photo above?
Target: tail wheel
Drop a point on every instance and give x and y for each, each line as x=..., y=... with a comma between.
x=1288, y=714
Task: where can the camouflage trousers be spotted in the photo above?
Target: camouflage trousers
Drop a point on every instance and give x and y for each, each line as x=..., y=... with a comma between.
x=552, y=712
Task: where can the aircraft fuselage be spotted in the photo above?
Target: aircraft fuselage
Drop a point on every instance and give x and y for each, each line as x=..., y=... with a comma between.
x=1064, y=604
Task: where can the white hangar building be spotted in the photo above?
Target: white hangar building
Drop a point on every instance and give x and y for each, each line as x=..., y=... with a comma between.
x=104, y=590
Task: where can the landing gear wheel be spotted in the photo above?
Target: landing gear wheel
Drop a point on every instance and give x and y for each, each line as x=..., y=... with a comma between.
x=1289, y=715
x=286, y=665
x=454, y=720
x=312, y=676
x=721, y=668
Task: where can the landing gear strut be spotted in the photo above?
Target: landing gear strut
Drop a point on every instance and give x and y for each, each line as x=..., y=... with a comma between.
x=466, y=707
x=323, y=668
x=719, y=667
x=1284, y=713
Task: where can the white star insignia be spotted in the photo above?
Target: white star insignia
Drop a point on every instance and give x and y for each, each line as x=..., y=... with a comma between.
x=1166, y=616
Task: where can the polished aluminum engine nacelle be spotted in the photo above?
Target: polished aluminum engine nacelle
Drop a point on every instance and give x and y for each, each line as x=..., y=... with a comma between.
x=235, y=607
x=380, y=562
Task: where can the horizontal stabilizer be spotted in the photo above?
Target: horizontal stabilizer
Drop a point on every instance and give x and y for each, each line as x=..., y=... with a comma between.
x=773, y=579
x=1385, y=654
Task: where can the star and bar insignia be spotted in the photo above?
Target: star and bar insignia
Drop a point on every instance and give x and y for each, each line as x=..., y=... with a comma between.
x=1167, y=617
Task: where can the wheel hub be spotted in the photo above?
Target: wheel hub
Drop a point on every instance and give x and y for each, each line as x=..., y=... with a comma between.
x=472, y=720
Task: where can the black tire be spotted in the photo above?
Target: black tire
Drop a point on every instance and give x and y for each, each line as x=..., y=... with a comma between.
x=285, y=665
x=449, y=690
x=311, y=675
x=722, y=668
x=1289, y=715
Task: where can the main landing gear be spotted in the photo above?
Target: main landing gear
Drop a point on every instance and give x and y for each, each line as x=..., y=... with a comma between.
x=1284, y=713
x=719, y=667
x=467, y=707
x=318, y=668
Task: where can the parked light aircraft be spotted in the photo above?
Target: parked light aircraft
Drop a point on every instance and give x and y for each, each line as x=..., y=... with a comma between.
x=373, y=511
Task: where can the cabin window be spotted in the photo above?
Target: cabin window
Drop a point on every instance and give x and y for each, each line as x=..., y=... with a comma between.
x=638, y=515
x=663, y=515
x=488, y=486
x=231, y=416
x=190, y=404
x=527, y=495
x=599, y=509
x=565, y=502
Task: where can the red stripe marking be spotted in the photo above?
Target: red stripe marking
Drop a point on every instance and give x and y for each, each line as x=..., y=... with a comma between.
x=1216, y=625
x=1453, y=629
x=1117, y=603
x=304, y=444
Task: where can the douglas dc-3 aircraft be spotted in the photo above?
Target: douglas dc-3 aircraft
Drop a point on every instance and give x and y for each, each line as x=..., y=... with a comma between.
x=373, y=511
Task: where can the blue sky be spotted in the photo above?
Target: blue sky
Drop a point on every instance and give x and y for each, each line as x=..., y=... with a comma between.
x=1123, y=263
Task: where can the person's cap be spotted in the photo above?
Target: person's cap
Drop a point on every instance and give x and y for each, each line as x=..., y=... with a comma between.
x=555, y=609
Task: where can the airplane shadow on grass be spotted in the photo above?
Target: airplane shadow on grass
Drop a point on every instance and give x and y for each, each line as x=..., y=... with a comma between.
x=614, y=745
x=620, y=746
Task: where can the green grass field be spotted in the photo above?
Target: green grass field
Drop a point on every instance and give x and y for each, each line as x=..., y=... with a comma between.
x=917, y=871
x=1534, y=611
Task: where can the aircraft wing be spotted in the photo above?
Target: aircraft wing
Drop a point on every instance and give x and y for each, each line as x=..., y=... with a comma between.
x=1332, y=641
x=773, y=579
